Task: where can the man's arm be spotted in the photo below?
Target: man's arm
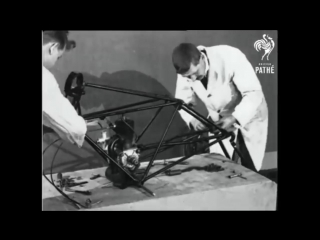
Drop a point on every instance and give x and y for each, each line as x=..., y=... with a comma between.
x=248, y=84
x=59, y=114
x=186, y=94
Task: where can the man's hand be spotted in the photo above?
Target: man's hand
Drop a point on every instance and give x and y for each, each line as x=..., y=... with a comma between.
x=227, y=122
x=197, y=125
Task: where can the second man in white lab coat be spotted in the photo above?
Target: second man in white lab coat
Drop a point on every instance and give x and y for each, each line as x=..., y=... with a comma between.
x=224, y=80
x=58, y=113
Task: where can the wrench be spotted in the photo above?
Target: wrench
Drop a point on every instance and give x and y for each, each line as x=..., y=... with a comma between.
x=237, y=175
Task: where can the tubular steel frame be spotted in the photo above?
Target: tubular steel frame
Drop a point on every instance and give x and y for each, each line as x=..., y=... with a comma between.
x=162, y=101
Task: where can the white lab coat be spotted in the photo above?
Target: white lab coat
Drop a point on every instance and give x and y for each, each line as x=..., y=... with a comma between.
x=58, y=113
x=233, y=88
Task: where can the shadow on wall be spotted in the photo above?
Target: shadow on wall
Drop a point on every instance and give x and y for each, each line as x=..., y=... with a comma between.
x=71, y=158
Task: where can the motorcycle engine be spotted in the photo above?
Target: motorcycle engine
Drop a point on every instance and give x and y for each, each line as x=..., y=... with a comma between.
x=121, y=146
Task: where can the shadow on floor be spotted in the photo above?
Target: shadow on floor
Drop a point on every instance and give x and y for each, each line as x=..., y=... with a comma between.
x=272, y=174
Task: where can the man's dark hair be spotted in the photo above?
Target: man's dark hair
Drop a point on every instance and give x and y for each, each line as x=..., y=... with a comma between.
x=60, y=37
x=183, y=55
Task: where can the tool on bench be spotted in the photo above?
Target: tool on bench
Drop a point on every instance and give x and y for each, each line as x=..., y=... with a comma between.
x=60, y=177
x=75, y=184
x=166, y=162
x=78, y=191
x=89, y=204
x=67, y=182
x=209, y=168
x=95, y=176
x=173, y=172
x=237, y=175
x=60, y=180
x=160, y=162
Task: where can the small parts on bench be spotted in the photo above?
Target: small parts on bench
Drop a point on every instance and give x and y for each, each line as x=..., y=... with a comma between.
x=237, y=175
x=209, y=168
x=75, y=184
x=147, y=190
x=173, y=172
x=67, y=181
x=78, y=191
x=144, y=165
x=89, y=204
x=96, y=203
x=213, y=168
x=95, y=176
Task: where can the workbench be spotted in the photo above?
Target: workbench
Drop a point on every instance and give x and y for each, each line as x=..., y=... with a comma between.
x=194, y=190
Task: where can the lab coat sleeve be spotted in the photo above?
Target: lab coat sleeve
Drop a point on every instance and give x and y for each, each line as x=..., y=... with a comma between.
x=185, y=92
x=59, y=114
x=248, y=84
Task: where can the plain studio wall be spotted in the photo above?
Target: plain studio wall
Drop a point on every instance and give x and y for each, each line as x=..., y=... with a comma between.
x=141, y=60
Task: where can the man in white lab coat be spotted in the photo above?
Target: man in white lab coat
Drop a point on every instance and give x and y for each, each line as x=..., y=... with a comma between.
x=224, y=80
x=58, y=113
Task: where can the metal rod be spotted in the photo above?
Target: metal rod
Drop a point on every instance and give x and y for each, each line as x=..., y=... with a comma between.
x=73, y=102
x=162, y=138
x=224, y=137
x=189, y=138
x=145, y=129
x=234, y=145
x=147, y=190
x=129, y=111
x=89, y=115
x=132, y=92
x=196, y=134
x=79, y=108
x=237, y=150
x=180, y=160
x=224, y=149
x=180, y=143
x=106, y=156
x=166, y=148
x=202, y=119
x=189, y=134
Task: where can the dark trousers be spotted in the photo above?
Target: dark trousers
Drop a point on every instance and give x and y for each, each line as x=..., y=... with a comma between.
x=247, y=160
x=46, y=129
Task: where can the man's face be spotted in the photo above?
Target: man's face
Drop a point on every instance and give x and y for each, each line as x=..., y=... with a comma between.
x=51, y=54
x=196, y=72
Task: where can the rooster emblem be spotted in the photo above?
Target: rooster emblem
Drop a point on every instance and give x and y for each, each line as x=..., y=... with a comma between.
x=267, y=44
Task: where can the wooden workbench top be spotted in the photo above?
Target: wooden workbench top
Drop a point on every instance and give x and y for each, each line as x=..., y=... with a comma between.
x=196, y=190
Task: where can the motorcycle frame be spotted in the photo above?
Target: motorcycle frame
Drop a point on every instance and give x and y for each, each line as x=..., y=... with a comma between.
x=163, y=101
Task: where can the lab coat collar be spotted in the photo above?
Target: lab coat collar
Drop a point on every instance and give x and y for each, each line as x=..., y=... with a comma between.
x=203, y=51
x=206, y=62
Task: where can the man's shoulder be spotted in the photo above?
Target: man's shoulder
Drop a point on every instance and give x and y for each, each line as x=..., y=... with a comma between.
x=48, y=80
x=46, y=74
